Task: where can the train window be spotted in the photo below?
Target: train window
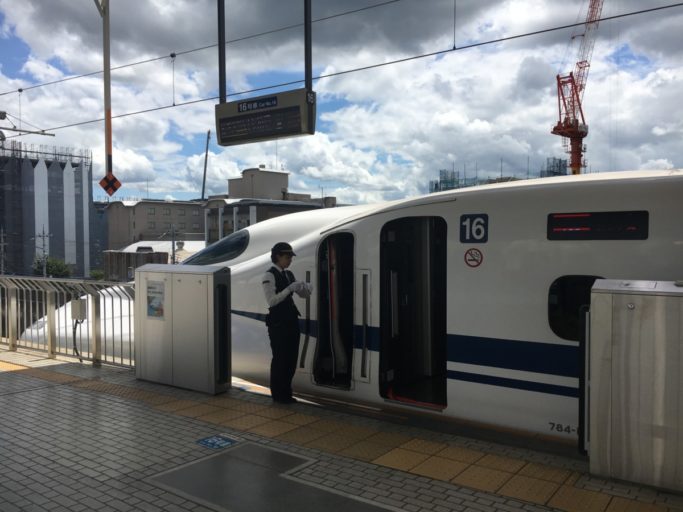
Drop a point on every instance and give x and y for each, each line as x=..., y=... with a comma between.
x=566, y=297
x=223, y=250
x=598, y=226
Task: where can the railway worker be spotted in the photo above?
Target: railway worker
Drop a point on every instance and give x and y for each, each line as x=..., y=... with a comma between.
x=283, y=320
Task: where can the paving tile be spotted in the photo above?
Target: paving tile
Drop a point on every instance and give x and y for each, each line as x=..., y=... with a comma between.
x=402, y=459
x=572, y=499
x=543, y=472
x=245, y=422
x=482, y=478
x=300, y=435
x=176, y=405
x=625, y=505
x=198, y=410
x=274, y=413
x=439, y=468
x=461, y=454
x=332, y=443
x=423, y=446
x=220, y=416
x=393, y=439
x=329, y=426
x=223, y=401
x=248, y=407
x=529, y=489
x=501, y=463
x=300, y=419
x=272, y=428
x=365, y=451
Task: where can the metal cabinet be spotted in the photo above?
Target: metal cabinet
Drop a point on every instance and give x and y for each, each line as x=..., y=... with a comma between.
x=182, y=326
x=635, y=382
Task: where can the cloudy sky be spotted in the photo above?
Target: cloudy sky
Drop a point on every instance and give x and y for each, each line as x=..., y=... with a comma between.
x=382, y=133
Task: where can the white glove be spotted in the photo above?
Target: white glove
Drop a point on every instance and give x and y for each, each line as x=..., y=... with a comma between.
x=296, y=286
x=309, y=287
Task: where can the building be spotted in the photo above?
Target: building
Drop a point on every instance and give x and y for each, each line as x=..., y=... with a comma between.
x=259, y=194
x=46, y=206
x=153, y=219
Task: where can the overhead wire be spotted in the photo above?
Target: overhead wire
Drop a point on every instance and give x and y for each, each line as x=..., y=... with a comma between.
x=374, y=66
x=172, y=55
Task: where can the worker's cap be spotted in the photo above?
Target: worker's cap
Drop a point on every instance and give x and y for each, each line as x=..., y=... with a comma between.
x=282, y=248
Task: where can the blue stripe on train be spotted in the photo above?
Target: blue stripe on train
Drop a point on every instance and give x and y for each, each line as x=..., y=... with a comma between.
x=547, y=358
x=526, y=385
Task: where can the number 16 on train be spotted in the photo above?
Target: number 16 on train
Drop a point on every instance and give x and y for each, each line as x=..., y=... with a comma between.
x=474, y=228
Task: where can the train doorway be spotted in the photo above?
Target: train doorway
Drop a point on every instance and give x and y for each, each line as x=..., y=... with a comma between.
x=334, y=350
x=413, y=311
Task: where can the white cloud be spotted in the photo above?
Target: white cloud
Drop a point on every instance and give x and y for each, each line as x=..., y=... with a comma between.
x=383, y=132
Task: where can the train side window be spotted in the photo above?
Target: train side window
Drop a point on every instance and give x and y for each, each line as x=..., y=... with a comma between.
x=566, y=296
x=223, y=250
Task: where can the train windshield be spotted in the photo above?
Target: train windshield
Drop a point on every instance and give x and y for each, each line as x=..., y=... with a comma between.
x=223, y=250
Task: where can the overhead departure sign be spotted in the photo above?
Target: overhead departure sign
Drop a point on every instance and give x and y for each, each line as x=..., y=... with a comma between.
x=270, y=117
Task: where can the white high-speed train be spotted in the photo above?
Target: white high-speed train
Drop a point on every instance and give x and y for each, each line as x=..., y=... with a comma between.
x=464, y=304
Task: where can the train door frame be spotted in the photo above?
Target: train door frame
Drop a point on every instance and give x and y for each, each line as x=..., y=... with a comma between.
x=332, y=364
x=413, y=301
x=364, y=335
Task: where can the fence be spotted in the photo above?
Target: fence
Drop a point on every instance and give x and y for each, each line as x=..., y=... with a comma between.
x=91, y=320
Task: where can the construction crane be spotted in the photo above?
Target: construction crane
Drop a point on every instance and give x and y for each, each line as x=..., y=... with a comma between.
x=571, y=123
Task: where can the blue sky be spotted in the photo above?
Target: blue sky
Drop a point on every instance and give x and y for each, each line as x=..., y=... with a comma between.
x=382, y=133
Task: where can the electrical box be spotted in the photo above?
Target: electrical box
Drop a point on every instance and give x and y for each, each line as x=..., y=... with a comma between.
x=182, y=326
x=79, y=309
x=635, y=380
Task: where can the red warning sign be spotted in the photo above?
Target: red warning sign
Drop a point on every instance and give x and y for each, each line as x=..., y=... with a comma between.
x=110, y=184
x=473, y=258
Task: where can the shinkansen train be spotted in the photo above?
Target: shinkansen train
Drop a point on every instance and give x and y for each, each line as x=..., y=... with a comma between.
x=466, y=304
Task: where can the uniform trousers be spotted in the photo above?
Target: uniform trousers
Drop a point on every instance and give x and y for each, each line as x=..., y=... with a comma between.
x=284, y=343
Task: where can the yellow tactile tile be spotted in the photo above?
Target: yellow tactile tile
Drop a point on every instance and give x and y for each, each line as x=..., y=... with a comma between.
x=439, y=468
x=572, y=499
x=300, y=435
x=501, y=463
x=484, y=479
x=529, y=489
x=248, y=407
x=623, y=505
x=423, y=446
x=331, y=443
x=358, y=432
x=198, y=410
x=365, y=451
x=398, y=458
x=155, y=398
x=220, y=416
x=392, y=439
x=543, y=472
x=223, y=401
x=274, y=413
x=245, y=422
x=176, y=405
x=461, y=454
x=300, y=419
x=329, y=426
x=573, y=478
x=10, y=367
x=272, y=428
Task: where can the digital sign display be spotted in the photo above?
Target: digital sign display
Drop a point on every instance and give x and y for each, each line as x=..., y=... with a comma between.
x=265, y=118
x=631, y=225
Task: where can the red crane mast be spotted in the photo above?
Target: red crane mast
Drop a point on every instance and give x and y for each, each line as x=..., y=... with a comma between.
x=571, y=122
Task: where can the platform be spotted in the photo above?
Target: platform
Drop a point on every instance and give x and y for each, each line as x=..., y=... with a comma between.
x=78, y=438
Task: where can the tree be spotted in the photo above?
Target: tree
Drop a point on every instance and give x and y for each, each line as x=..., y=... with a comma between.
x=54, y=267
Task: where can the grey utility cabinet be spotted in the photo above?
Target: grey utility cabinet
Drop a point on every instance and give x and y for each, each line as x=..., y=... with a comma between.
x=636, y=383
x=182, y=326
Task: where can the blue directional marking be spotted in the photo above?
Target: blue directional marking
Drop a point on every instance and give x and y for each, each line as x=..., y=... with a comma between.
x=217, y=442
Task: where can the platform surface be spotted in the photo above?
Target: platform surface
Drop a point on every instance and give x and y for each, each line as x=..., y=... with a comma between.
x=78, y=438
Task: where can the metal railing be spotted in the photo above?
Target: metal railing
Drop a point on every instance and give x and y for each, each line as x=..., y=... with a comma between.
x=91, y=320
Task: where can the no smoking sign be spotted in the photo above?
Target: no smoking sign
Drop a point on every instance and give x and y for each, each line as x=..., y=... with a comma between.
x=473, y=258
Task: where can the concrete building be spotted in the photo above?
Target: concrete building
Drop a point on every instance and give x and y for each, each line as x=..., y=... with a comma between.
x=153, y=219
x=46, y=206
x=259, y=194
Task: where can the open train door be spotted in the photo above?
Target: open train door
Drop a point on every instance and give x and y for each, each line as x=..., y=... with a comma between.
x=413, y=311
x=333, y=358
